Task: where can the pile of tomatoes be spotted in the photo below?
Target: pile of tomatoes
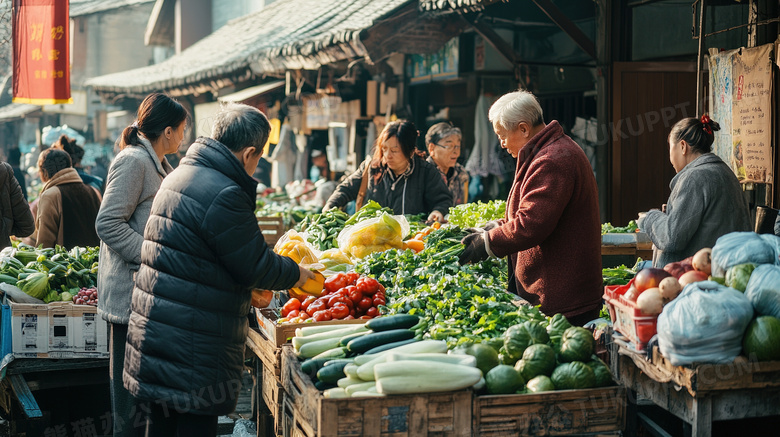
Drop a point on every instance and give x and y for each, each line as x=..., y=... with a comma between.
x=345, y=296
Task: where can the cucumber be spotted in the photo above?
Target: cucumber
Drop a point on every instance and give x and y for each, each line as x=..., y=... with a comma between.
x=367, y=394
x=311, y=330
x=363, y=386
x=351, y=370
x=366, y=342
x=332, y=373
x=321, y=386
x=346, y=382
x=416, y=347
x=388, y=323
x=8, y=279
x=338, y=361
x=332, y=354
x=463, y=360
x=388, y=346
x=347, y=338
x=406, y=377
x=311, y=366
x=315, y=348
x=335, y=393
x=298, y=342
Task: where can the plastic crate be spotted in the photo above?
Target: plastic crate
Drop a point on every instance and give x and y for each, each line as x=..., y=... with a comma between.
x=627, y=319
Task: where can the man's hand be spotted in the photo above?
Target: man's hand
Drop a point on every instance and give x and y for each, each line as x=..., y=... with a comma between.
x=306, y=274
x=475, y=248
x=435, y=216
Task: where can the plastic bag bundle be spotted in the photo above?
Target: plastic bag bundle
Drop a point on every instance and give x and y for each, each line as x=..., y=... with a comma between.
x=704, y=324
x=293, y=245
x=374, y=235
x=763, y=290
x=744, y=247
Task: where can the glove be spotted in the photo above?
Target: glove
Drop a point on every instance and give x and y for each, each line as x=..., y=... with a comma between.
x=488, y=226
x=475, y=249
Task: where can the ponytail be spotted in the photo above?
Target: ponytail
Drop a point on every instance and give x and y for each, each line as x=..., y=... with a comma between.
x=157, y=112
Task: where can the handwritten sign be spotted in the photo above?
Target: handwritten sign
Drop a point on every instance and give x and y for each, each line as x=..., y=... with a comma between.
x=751, y=125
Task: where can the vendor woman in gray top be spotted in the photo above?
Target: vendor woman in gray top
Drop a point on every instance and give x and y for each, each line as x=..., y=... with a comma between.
x=706, y=200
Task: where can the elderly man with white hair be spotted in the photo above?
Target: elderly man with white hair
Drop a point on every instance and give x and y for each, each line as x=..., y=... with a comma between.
x=552, y=229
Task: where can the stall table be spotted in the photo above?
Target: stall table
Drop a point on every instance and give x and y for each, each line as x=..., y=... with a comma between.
x=637, y=245
x=701, y=394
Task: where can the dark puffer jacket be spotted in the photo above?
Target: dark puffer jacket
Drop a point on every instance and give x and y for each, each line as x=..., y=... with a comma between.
x=422, y=191
x=17, y=219
x=202, y=253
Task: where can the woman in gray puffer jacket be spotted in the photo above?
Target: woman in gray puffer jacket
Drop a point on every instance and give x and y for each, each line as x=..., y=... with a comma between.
x=706, y=200
x=133, y=180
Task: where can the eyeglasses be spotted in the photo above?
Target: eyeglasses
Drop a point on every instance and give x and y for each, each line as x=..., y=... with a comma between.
x=449, y=148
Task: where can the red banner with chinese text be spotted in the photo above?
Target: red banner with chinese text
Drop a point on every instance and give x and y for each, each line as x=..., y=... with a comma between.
x=41, y=52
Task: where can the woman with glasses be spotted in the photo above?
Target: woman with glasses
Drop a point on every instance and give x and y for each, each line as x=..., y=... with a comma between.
x=397, y=177
x=443, y=141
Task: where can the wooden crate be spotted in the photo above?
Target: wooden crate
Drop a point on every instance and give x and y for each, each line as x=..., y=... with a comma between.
x=273, y=396
x=272, y=228
x=598, y=411
x=440, y=414
x=269, y=354
x=280, y=334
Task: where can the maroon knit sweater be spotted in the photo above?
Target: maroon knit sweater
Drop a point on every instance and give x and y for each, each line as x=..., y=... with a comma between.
x=552, y=229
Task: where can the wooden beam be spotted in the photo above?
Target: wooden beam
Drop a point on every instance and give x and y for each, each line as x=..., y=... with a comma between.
x=25, y=397
x=567, y=26
x=497, y=42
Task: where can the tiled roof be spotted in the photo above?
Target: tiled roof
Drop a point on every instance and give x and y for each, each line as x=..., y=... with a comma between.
x=285, y=34
x=86, y=7
x=451, y=5
x=13, y=111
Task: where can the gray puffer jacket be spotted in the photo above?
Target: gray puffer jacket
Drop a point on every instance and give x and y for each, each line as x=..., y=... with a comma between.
x=133, y=180
x=706, y=202
x=422, y=191
x=202, y=255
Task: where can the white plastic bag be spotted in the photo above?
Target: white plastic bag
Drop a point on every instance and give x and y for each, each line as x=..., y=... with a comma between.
x=704, y=324
x=744, y=247
x=763, y=290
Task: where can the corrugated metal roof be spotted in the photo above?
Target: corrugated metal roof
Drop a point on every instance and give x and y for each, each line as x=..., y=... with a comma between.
x=86, y=7
x=285, y=34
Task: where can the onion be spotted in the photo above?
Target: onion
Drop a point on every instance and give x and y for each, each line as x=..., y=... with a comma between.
x=692, y=276
x=670, y=287
x=702, y=261
x=631, y=294
x=650, y=301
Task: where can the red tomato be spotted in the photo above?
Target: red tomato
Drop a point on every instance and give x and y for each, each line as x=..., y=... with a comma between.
x=339, y=311
x=335, y=282
x=292, y=304
x=365, y=303
x=322, y=316
x=349, y=288
x=372, y=312
x=355, y=296
x=365, y=317
x=349, y=303
x=378, y=300
x=349, y=317
x=368, y=285
x=337, y=298
x=352, y=277
x=294, y=313
x=303, y=315
x=305, y=304
x=317, y=305
x=352, y=312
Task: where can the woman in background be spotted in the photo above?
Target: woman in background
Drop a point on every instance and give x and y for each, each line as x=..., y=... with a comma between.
x=133, y=179
x=444, y=143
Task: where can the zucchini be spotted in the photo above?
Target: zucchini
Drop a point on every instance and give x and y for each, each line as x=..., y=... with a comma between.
x=315, y=348
x=347, y=338
x=366, y=342
x=311, y=330
x=388, y=323
x=351, y=370
x=416, y=347
x=298, y=342
x=321, y=386
x=311, y=366
x=388, y=346
x=346, y=382
x=463, y=360
x=366, y=394
x=338, y=361
x=335, y=353
x=405, y=377
x=335, y=393
x=363, y=386
x=7, y=279
x=332, y=373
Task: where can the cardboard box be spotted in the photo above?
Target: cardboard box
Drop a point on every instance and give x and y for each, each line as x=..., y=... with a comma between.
x=56, y=330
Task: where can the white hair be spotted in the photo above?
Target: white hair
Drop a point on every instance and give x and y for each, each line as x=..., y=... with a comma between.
x=516, y=107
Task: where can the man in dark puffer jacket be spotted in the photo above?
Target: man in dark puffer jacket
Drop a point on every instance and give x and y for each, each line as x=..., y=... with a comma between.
x=202, y=254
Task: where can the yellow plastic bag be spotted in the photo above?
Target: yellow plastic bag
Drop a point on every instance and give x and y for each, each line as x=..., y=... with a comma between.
x=294, y=246
x=374, y=235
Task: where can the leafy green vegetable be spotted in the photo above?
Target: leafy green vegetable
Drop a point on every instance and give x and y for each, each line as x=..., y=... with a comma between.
x=369, y=210
x=470, y=215
x=737, y=277
x=620, y=275
x=556, y=327
x=576, y=344
x=607, y=228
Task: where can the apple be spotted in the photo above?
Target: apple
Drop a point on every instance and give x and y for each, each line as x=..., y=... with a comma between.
x=649, y=278
x=692, y=276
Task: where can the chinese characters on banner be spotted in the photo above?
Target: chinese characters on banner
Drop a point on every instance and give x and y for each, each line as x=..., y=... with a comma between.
x=41, y=58
x=741, y=101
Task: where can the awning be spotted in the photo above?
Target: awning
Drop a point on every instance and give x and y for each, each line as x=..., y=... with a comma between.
x=14, y=111
x=287, y=34
x=160, y=30
x=248, y=93
x=85, y=7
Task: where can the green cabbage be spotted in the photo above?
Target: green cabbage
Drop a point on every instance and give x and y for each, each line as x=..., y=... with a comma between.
x=576, y=345
x=538, y=359
x=35, y=285
x=558, y=324
x=602, y=372
x=574, y=375
x=539, y=384
x=738, y=276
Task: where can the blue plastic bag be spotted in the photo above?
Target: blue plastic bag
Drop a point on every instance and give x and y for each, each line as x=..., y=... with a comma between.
x=744, y=247
x=704, y=324
x=763, y=290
